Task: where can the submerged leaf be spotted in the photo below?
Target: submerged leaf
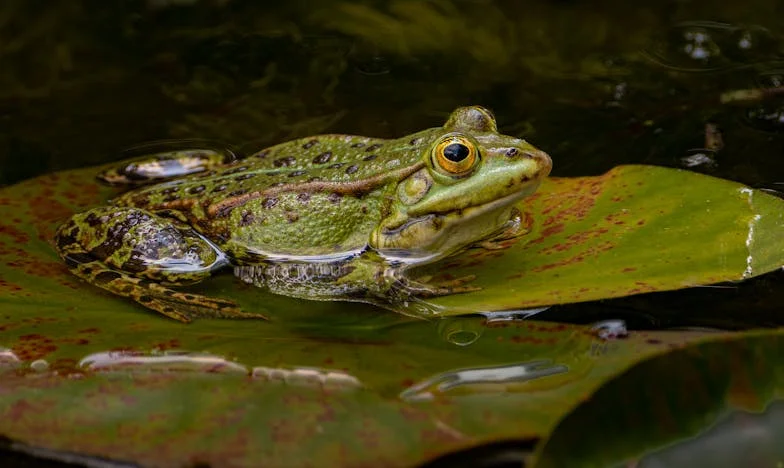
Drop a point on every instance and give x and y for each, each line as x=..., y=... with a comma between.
x=696, y=406
x=156, y=392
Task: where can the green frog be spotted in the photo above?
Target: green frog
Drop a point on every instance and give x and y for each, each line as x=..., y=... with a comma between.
x=328, y=217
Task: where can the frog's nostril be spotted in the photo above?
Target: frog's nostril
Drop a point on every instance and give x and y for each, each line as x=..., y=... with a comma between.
x=541, y=159
x=537, y=154
x=511, y=152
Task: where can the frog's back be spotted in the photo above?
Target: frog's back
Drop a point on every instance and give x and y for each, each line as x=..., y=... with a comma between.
x=341, y=158
x=333, y=159
x=313, y=196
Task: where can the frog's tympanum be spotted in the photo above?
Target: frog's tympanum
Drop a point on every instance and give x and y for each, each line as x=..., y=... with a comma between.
x=330, y=217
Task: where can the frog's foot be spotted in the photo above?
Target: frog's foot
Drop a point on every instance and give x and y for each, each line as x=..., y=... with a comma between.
x=409, y=297
x=133, y=253
x=422, y=287
x=188, y=306
x=517, y=226
x=492, y=244
x=178, y=305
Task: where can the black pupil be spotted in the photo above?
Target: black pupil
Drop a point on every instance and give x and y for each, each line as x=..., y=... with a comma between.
x=456, y=152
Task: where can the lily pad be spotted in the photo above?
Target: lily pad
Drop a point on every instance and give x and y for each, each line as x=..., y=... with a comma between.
x=347, y=384
x=633, y=230
x=697, y=406
x=255, y=393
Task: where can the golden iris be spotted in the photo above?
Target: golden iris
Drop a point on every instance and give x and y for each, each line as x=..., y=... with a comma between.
x=456, y=155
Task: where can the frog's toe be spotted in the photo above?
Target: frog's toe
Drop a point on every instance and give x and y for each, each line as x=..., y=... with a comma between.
x=185, y=307
x=441, y=289
x=456, y=285
x=193, y=306
x=493, y=244
x=423, y=287
x=517, y=226
x=166, y=308
x=178, y=305
x=205, y=307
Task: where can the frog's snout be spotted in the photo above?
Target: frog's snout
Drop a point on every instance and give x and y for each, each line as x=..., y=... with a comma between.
x=520, y=150
x=542, y=159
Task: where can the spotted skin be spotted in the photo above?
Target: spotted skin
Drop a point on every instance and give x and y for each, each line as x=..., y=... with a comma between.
x=329, y=217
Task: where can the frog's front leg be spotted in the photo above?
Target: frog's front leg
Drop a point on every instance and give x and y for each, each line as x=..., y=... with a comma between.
x=136, y=254
x=517, y=226
x=370, y=278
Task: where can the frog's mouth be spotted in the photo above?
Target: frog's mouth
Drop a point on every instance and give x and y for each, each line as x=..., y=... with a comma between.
x=466, y=214
x=498, y=203
x=462, y=214
x=435, y=235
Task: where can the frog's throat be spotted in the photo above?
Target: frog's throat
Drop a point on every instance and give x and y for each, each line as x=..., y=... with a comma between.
x=400, y=223
x=343, y=188
x=439, y=229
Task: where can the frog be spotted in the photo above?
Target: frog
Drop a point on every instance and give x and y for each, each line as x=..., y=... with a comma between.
x=325, y=217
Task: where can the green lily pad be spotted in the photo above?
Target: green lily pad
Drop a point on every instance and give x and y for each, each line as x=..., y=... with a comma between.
x=347, y=384
x=697, y=406
x=257, y=393
x=635, y=229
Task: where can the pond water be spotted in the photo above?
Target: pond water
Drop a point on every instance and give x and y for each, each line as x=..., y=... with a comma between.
x=694, y=85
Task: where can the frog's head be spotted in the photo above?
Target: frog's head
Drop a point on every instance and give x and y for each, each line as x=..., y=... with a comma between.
x=471, y=179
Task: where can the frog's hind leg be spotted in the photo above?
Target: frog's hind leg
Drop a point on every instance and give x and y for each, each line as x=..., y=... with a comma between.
x=171, y=303
x=136, y=254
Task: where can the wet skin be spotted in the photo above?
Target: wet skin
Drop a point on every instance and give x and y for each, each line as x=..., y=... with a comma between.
x=328, y=217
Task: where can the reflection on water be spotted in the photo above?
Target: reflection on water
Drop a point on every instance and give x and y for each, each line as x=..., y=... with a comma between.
x=512, y=315
x=463, y=330
x=307, y=377
x=129, y=362
x=540, y=350
x=466, y=330
x=166, y=361
x=39, y=365
x=575, y=356
x=610, y=329
x=8, y=359
x=711, y=46
x=751, y=238
x=507, y=374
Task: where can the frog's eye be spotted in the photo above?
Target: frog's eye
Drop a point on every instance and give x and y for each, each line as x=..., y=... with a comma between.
x=455, y=155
